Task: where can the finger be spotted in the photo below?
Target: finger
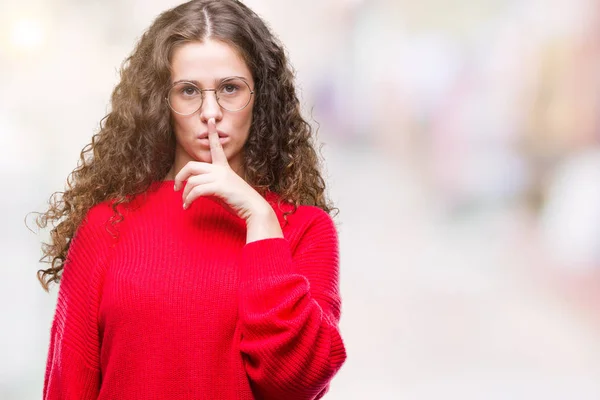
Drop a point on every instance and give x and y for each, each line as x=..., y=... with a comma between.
x=208, y=189
x=190, y=169
x=216, y=149
x=194, y=181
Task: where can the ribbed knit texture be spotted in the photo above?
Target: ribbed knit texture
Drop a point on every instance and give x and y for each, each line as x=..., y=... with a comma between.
x=178, y=306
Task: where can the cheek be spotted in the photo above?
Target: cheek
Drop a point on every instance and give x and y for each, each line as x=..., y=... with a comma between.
x=181, y=125
x=244, y=121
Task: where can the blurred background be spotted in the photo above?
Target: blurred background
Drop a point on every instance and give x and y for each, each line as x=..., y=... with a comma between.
x=462, y=147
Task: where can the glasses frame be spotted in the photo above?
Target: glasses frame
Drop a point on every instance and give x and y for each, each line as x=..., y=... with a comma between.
x=224, y=81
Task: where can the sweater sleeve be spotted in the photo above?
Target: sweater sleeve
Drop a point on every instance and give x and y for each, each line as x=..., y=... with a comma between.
x=73, y=363
x=289, y=311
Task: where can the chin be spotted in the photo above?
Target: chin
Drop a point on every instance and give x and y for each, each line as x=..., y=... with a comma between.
x=202, y=156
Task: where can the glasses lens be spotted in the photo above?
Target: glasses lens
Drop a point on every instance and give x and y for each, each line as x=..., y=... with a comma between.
x=185, y=98
x=233, y=94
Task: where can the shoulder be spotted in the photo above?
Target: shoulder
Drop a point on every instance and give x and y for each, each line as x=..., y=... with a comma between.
x=312, y=215
x=99, y=213
x=303, y=219
x=310, y=225
x=91, y=241
x=96, y=225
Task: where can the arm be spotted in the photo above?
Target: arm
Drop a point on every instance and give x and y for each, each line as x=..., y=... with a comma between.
x=289, y=313
x=73, y=364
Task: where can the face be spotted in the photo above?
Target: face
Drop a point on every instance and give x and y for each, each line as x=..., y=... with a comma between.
x=207, y=64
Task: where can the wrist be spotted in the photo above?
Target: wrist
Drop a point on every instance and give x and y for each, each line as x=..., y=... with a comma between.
x=262, y=223
x=260, y=210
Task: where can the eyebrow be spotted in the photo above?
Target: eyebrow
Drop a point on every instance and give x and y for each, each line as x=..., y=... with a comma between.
x=219, y=81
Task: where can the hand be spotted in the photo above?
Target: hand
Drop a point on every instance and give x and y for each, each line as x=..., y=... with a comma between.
x=219, y=180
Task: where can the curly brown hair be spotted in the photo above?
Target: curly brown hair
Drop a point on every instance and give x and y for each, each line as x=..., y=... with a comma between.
x=135, y=145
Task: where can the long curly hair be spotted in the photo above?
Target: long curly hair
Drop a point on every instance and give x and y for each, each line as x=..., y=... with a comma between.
x=135, y=145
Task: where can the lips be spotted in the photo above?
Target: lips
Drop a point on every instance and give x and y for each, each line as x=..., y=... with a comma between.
x=205, y=142
x=204, y=135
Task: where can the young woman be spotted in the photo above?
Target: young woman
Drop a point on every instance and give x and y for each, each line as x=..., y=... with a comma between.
x=194, y=246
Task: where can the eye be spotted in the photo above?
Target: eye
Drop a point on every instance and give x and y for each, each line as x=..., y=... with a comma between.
x=229, y=88
x=189, y=90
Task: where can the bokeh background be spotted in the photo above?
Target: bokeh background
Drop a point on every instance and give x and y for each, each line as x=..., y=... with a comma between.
x=462, y=142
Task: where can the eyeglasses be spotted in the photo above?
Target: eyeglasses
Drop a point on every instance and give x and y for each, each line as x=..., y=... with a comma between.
x=233, y=94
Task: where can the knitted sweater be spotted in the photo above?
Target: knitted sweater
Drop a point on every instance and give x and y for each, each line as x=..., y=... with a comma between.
x=173, y=304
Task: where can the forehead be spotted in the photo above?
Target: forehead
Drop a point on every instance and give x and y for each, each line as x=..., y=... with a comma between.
x=207, y=62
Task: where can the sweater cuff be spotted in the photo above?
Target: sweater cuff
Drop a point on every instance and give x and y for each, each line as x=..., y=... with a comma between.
x=265, y=260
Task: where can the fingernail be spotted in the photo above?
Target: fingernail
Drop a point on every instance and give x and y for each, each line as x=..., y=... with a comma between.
x=175, y=187
x=184, y=206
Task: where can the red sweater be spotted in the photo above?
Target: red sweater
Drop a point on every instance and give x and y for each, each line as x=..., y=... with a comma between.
x=178, y=306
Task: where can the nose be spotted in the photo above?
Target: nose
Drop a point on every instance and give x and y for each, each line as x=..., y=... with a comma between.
x=210, y=107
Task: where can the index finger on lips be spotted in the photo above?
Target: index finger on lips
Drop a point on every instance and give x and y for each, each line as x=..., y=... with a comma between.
x=216, y=149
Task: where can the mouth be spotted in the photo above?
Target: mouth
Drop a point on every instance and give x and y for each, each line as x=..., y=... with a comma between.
x=205, y=142
x=204, y=135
